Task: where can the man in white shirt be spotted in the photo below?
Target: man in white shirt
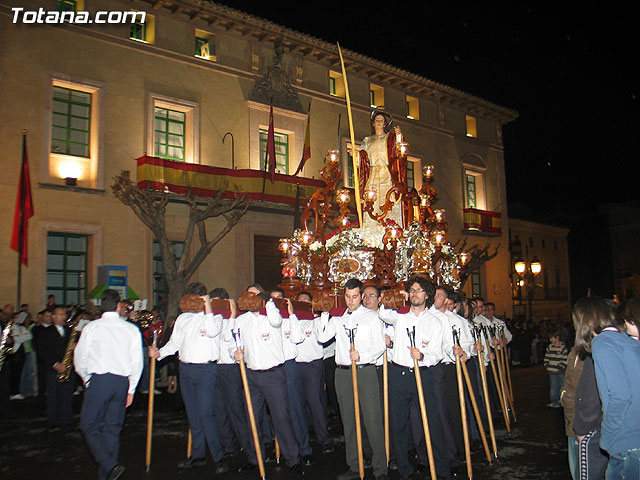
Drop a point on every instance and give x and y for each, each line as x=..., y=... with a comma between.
x=194, y=337
x=403, y=394
x=108, y=358
x=310, y=364
x=260, y=345
x=369, y=345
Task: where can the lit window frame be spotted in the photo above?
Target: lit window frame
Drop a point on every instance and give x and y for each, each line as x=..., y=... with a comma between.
x=282, y=159
x=191, y=126
x=202, y=37
x=471, y=126
x=61, y=292
x=412, y=105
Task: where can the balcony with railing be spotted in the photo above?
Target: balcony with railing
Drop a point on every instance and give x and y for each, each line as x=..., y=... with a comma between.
x=204, y=180
x=482, y=222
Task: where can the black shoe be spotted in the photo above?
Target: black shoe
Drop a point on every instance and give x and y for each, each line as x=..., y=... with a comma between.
x=271, y=459
x=248, y=467
x=297, y=469
x=384, y=476
x=421, y=468
x=367, y=463
x=221, y=467
x=116, y=472
x=393, y=465
x=307, y=460
x=329, y=448
x=348, y=475
x=191, y=462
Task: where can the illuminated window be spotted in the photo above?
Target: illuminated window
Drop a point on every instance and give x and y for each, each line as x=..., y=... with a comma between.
x=413, y=107
x=476, y=284
x=474, y=189
x=376, y=96
x=144, y=31
x=282, y=150
x=67, y=267
x=69, y=5
x=70, y=121
x=410, y=178
x=205, y=46
x=471, y=126
x=173, y=132
x=169, y=133
x=336, y=84
x=74, y=135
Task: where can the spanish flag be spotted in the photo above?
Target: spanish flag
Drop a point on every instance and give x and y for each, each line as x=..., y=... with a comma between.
x=24, y=207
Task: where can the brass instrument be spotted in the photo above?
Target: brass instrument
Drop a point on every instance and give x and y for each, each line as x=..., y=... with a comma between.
x=142, y=318
x=4, y=349
x=67, y=360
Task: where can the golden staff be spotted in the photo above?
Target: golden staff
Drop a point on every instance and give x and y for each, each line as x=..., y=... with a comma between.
x=497, y=382
x=503, y=388
x=152, y=386
x=189, y=443
x=463, y=408
x=385, y=394
x=485, y=392
x=356, y=402
x=252, y=418
x=507, y=369
x=356, y=183
x=277, y=448
x=423, y=408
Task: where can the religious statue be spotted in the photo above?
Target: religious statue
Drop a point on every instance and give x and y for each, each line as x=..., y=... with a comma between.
x=379, y=167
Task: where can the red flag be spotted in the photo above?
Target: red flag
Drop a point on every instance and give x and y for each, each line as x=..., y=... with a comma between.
x=271, y=147
x=24, y=207
x=306, y=149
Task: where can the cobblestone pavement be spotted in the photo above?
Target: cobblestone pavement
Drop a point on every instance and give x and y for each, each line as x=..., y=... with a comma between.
x=536, y=448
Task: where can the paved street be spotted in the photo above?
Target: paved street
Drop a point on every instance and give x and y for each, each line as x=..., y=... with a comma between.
x=536, y=448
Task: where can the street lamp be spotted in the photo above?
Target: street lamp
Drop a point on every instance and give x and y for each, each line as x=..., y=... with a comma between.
x=527, y=274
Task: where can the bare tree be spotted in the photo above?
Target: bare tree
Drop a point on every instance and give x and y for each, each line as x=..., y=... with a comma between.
x=477, y=256
x=150, y=207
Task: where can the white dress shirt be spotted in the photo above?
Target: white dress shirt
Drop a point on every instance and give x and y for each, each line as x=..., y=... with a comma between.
x=309, y=349
x=447, y=338
x=261, y=337
x=291, y=336
x=429, y=336
x=195, y=337
x=110, y=345
x=462, y=327
x=369, y=336
x=226, y=343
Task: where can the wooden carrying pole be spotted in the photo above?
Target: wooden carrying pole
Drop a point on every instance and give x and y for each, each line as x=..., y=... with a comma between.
x=507, y=370
x=476, y=412
x=505, y=382
x=385, y=394
x=499, y=390
x=189, y=443
x=356, y=406
x=423, y=408
x=485, y=392
x=277, y=448
x=252, y=418
x=152, y=387
x=463, y=409
x=503, y=387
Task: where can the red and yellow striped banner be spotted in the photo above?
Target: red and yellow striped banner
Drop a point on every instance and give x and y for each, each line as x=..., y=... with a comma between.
x=203, y=180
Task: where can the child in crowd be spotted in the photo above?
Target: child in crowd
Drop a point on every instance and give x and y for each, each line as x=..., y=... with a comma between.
x=555, y=361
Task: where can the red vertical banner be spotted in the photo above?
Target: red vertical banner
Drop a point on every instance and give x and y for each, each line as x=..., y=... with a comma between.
x=24, y=207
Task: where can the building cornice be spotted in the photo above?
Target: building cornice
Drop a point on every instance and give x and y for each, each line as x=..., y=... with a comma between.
x=309, y=47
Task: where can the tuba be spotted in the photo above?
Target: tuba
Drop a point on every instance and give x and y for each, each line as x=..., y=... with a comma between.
x=4, y=349
x=67, y=360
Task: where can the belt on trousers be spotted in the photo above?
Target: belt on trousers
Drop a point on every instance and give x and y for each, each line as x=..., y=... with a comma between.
x=410, y=369
x=272, y=369
x=348, y=367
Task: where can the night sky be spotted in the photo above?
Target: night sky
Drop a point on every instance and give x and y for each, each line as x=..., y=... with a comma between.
x=566, y=69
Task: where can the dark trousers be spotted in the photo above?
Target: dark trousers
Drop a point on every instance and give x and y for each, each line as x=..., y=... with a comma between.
x=330, y=384
x=59, y=400
x=312, y=379
x=270, y=387
x=198, y=384
x=453, y=405
x=369, y=396
x=296, y=406
x=403, y=399
x=443, y=411
x=230, y=409
x=16, y=362
x=102, y=416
